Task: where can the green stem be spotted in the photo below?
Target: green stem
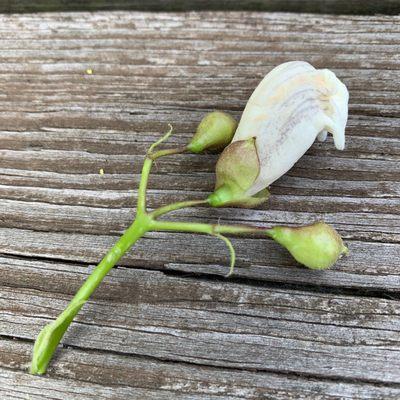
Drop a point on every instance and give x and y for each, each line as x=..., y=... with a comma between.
x=216, y=230
x=176, y=206
x=51, y=335
x=231, y=252
x=210, y=229
x=167, y=152
x=125, y=242
x=160, y=153
x=144, y=178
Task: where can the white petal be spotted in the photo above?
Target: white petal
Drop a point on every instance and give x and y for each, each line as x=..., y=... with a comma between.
x=292, y=105
x=259, y=103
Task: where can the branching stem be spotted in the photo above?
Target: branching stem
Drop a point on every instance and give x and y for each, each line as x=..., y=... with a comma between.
x=51, y=335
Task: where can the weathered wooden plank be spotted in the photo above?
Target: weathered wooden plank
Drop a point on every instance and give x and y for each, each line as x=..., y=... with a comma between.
x=215, y=323
x=137, y=378
x=365, y=101
x=370, y=265
x=33, y=185
x=112, y=212
x=115, y=142
x=84, y=162
x=365, y=7
x=126, y=199
x=19, y=385
x=130, y=143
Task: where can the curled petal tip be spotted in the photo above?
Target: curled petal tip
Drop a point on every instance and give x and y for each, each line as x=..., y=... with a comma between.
x=339, y=139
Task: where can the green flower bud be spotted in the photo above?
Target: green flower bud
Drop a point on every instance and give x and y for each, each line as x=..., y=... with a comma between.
x=215, y=131
x=317, y=246
x=237, y=168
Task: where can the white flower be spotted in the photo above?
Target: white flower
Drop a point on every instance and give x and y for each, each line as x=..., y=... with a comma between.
x=292, y=106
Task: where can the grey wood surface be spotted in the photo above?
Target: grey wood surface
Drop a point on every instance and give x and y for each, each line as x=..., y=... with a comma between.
x=166, y=323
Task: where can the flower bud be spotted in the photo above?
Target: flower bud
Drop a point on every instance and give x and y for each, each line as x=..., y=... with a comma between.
x=317, y=246
x=215, y=131
x=236, y=170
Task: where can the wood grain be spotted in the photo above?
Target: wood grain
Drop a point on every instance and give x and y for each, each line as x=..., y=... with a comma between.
x=104, y=375
x=183, y=252
x=166, y=323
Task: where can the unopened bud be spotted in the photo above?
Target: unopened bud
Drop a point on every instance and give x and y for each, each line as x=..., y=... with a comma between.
x=317, y=246
x=215, y=131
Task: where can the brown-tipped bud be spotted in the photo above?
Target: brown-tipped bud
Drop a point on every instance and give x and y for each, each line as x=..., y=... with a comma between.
x=317, y=246
x=215, y=131
x=237, y=169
